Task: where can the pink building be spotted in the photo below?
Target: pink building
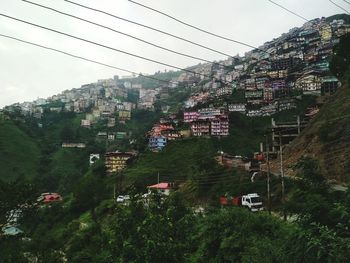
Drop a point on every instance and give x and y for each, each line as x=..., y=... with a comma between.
x=200, y=128
x=219, y=126
x=191, y=116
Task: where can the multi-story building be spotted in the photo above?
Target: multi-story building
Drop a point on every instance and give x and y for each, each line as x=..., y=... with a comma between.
x=262, y=82
x=325, y=32
x=86, y=123
x=219, y=126
x=309, y=84
x=286, y=104
x=117, y=161
x=157, y=143
x=283, y=63
x=124, y=115
x=250, y=84
x=200, y=128
x=210, y=113
x=239, y=107
x=268, y=94
x=171, y=135
x=275, y=74
x=223, y=91
x=251, y=95
x=191, y=116
x=279, y=88
x=329, y=85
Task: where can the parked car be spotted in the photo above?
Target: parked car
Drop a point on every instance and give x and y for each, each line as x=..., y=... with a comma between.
x=123, y=198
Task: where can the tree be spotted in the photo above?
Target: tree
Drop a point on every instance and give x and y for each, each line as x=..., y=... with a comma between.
x=340, y=63
x=67, y=134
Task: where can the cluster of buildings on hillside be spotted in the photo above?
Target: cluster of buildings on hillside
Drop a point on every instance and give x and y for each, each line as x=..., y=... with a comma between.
x=161, y=133
x=111, y=111
x=106, y=99
x=208, y=122
x=14, y=216
x=293, y=64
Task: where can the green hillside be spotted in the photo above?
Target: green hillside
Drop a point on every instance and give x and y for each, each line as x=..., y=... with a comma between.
x=327, y=135
x=19, y=153
x=345, y=17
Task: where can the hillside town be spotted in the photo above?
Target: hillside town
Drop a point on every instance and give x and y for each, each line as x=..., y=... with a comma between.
x=295, y=63
x=261, y=83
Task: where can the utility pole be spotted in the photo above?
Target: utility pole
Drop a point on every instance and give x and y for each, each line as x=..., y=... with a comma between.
x=158, y=177
x=268, y=175
x=282, y=179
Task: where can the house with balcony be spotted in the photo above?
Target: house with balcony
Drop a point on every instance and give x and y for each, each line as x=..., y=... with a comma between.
x=117, y=161
x=191, y=116
x=124, y=115
x=310, y=83
x=219, y=126
x=157, y=143
x=210, y=113
x=171, y=135
x=224, y=91
x=279, y=88
x=262, y=82
x=239, y=107
x=254, y=96
x=325, y=32
x=268, y=94
x=329, y=85
x=200, y=128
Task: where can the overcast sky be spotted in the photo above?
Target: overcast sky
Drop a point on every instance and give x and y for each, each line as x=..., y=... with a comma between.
x=28, y=72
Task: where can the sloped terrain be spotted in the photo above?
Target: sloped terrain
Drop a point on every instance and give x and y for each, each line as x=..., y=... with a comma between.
x=19, y=153
x=326, y=138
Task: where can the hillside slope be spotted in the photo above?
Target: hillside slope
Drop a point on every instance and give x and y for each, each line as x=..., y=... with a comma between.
x=326, y=138
x=19, y=153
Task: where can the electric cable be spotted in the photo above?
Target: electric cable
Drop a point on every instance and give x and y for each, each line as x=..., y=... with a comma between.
x=342, y=8
x=148, y=27
x=195, y=27
x=83, y=58
x=108, y=47
x=125, y=34
x=288, y=10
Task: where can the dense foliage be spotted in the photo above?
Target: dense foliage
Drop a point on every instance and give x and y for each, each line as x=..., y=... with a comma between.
x=158, y=229
x=340, y=63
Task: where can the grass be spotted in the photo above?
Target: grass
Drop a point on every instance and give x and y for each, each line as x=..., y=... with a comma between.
x=19, y=153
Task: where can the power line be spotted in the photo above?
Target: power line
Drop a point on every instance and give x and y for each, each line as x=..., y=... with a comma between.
x=342, y=8
x=346, y=2
x=288, y=10
x=83, y=58
x=125, y=34
x=224, y=180
x=111, y=48
x=195, y=27
x=149, y=27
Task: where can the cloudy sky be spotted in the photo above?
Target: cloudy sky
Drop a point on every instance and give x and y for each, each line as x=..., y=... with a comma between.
x=28, y=72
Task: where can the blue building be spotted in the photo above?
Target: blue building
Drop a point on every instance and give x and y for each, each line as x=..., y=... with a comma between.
x=157, y=143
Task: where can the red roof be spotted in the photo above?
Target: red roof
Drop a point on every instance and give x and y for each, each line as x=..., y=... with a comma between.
x=53, y=197
x=161, y=186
